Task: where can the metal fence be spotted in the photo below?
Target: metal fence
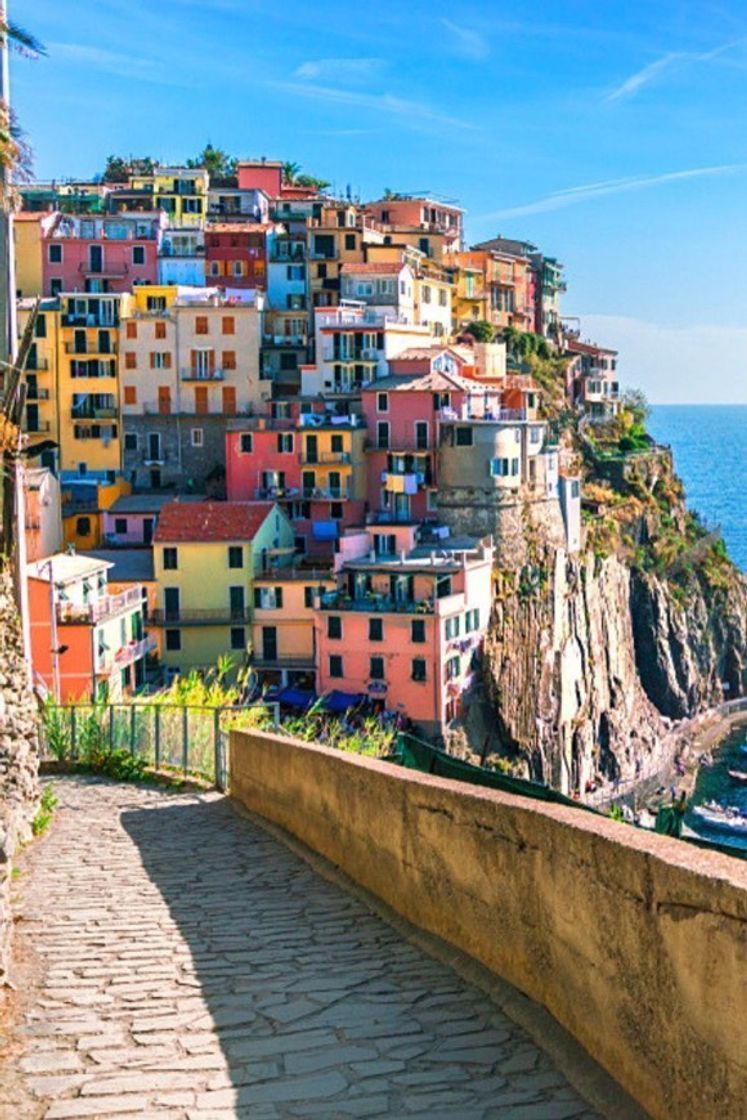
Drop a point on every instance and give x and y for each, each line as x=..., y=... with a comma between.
x=181, y=739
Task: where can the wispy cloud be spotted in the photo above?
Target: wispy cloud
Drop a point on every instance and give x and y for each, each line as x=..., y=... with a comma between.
x=573, y=195
x=412, y=112
x=467, y=43
x=339, y=69
x=99, y=56
x=672, y=60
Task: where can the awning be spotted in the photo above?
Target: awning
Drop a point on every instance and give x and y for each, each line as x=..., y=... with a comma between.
x=292, y=697
x=340, y=701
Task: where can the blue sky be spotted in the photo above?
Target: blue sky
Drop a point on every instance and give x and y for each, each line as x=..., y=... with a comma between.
x=609, y=134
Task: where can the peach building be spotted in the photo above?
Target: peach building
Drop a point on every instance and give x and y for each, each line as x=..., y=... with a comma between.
x=284, y=652
x=406, y=624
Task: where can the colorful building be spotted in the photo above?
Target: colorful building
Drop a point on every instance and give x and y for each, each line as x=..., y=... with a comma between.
x=182, y=192
x=41, y=416
x=85, y=500
x=431, y=226
x=406, y=628
x=207, y=555
x=42, y=513
x=30, y=230
x=181, y=257
x=285, y=603
x=236, y=254
x=85, y=643
x=594, y=380
x=101, y=254
x=190, y=360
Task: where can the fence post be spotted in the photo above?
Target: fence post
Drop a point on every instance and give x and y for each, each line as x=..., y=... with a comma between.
x=157, y=738
x=111, y=728
x=185, y=740
x=218, y=752
x=73, y=735
x=132, y=730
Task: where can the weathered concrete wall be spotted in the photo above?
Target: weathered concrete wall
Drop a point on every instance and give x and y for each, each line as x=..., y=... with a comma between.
x=519, y=524
x=19, y=757
x=636, y=943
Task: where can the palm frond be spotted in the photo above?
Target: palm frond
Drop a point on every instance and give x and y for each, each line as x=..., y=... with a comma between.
x=22, y=40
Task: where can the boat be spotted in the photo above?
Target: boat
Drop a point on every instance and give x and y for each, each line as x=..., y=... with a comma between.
x=739, y=777
x=721, y=819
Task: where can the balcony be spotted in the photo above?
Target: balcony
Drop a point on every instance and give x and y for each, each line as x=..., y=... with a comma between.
x=73, y=319
x=115, y=271
x=329, y=493
x=41, y=426
x=323, y=458
x=284, y=340
x=196, y=375
x=374, y=603
x=109, y=606
x=91, y=350
x=277, y=493
x=208, y=616
x=282, y=661
x=331, y=354
x=292, y=257
x=33, y=393
x=133, y=651
x=37, y=365
x=408, y=483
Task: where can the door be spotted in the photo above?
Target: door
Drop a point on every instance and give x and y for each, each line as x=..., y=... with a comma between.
x=32, y=417
x=308, y=482
x=312, y=449
x=154, y=447
x=237, y=601
x=201, y=400
x=171, y=603
x=229, y=400
x=95, y=258
x=79, y=342
x=421, y=435
x=148, y=530
x=269, y=643
x=164, y=400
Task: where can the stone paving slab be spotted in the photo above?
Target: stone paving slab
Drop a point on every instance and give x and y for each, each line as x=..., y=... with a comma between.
x=178, y=961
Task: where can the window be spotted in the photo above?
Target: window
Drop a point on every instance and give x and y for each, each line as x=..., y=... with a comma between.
x=170, y=558
x=426, y=294
x=83, y=526
x=375, y=630
x=173, y=640
x=55, y=286
x=376, y=668
x=297, y=272
x=421, y=434
x=160, y=329
x=238, y=637
x=130, y=394
x=201, y=324
x=130, y=360
x=443, y=297
x=40, y=330
x=382, y=402
x=285, y=442
x=321, y=271
x=229, y=359
x=334, y=626
x=335, y=665
x=452, y=627
x=130, y=441
x=452, y=668
x=418, y=669
x=472, y=621
x=238, y=268
x=215, y=268
x=197, y=437
x=120, y=524
x=131, y=329
x=349, y=240
x=55, y=254
x=417, y=630
x=228, y=325
x=336, y=445
x=535, y=435
x=138, y=254
x=245, y=443
x=464, y=437
x=268, y=598
x=575, y=489
x=235, y=556
x=308, y=596
x=382, y=433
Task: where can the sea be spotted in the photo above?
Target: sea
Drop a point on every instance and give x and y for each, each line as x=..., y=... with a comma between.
x=710, y=455
x=709, y=443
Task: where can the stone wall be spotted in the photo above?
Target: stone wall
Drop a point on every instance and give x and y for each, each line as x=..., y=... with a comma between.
x=19, y=756
x=636, y=943
x=184, y=465
x=519, y=524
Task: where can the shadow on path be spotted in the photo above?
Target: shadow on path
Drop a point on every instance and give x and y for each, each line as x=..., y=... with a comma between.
x=314, y=1005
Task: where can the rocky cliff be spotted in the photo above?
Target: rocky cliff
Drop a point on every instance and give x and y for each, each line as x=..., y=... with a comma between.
x=591, y=659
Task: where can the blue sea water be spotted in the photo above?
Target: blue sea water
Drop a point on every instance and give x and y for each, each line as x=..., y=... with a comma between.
x=709, y=443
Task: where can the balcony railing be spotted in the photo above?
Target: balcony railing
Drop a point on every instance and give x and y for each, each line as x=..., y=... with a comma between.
x=277, y=493
x=197, y=375
x=114, y=270
x=134, y=650
x=325, y=457
x=282, y=661
x=41, y=426
x=373, y=603
x=368, y=354
x=37, y=365
x=107, y=607
x=92, y=349
x=73, y=319
x=208, y=616
x=33, y=393
x=330, y=493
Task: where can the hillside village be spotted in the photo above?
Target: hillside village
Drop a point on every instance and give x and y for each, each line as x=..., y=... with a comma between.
x=302, y=431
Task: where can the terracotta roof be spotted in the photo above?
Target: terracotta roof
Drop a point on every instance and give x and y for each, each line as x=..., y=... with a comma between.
x=436, y=381
x=239, y=227
x=394, y=266
x=211, y=521
x=420, y=353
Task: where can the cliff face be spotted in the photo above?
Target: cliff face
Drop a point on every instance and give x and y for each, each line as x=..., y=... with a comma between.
x=588, y=662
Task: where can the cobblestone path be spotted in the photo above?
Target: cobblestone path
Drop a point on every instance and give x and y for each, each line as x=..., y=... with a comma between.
x=178, y=961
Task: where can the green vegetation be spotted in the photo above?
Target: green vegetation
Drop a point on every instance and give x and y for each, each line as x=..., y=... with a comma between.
x=43, y=818
x=215, y=161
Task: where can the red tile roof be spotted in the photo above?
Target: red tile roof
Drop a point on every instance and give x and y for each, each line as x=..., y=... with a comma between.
x=395, y=266
x=211, y=521
x=239, y=227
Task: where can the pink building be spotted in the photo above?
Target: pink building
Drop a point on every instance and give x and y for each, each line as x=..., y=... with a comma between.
x=402, y=414
x=96, y=253
x=267, y=175
x=405, y=628
x=413, y=212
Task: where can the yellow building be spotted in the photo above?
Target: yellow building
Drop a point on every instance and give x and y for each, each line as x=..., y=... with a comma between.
x=181, y=191
x=84, y=503
x=41, y=416
x=283, y=624
x=470, y=302
x=340, y=235
x=333, y=461
x=29, y=229
x=206, y=556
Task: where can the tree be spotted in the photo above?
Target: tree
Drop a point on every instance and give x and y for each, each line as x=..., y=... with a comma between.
x=311, y=181
x=290, y=170
x=216, y=162
x=634, y=401
x=117, y=170
x=481, y=330
x=15, y=154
